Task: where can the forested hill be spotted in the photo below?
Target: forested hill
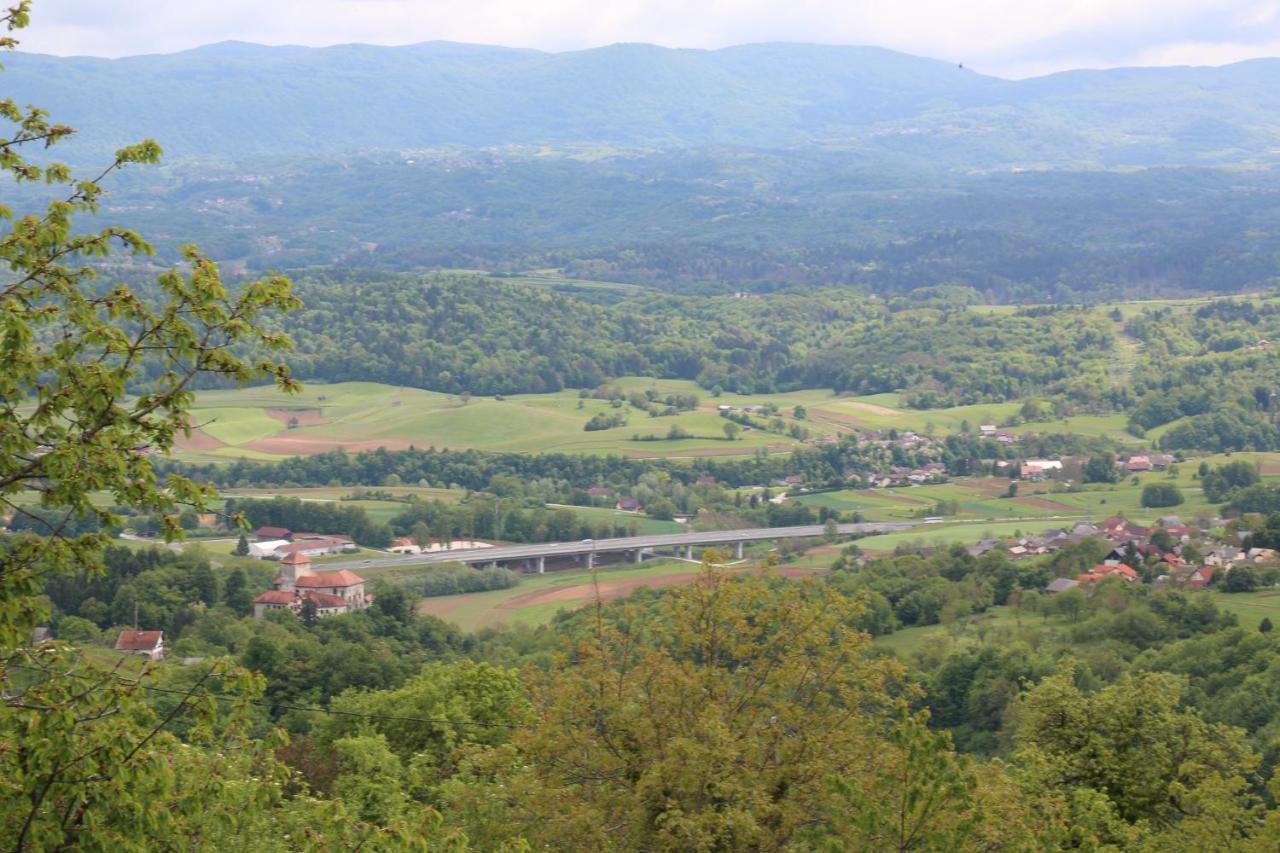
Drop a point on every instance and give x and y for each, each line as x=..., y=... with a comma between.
x=474, y=334
x=235, y=99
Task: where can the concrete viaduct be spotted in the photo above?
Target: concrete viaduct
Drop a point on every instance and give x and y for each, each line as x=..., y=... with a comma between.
x=535, y=555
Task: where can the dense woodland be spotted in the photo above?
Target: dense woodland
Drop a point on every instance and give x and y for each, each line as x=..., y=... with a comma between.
x=521, y=710
x=719, y=220
x=455, y=334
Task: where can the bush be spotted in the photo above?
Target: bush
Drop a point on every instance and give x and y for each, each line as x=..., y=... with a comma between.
x=1241, y=579
x=1161, y=495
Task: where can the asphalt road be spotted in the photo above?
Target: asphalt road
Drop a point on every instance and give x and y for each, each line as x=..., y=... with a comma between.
x=507, y=553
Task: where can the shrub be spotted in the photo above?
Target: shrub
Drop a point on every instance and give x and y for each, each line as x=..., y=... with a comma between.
x=1161, y=495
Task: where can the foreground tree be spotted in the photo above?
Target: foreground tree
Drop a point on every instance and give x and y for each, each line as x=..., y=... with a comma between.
x=717, y=720
x=73, y=348
x=1138, y=770
x=88, y=755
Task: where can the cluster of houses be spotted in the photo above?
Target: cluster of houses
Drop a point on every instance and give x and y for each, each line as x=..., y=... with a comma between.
x=1132, y=543
x=276, y=543
x=930, y=472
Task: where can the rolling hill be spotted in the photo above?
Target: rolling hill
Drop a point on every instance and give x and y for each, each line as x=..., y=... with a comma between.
x=234, y=99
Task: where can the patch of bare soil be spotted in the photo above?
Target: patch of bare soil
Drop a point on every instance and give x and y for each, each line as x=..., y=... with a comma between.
x=284, y=444
x=198, y=440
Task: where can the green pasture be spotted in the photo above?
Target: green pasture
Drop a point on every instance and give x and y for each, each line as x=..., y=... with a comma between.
x=474, y=610
x=957, y=533
x=334, y=493
x=1096, y=426
x=1251, y=607
x=906, y=642
x=646, y=525
x=976, y=498
x=365, y=413
x=235, y=425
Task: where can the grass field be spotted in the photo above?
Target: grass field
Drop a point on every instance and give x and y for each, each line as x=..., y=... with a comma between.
x=1251, y=607
x=539, y=597
x=645, y=525
x=906, y=642
x=254, y=423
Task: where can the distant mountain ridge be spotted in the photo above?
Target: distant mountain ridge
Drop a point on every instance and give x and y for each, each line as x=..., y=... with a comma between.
x=235, y=99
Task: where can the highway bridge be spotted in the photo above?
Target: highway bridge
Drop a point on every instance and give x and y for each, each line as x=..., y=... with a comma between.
x=535, y=555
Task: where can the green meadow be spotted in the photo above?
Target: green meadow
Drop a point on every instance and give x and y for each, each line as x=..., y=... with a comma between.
x=253, y=423
x=526, y=604
x=1250, y=607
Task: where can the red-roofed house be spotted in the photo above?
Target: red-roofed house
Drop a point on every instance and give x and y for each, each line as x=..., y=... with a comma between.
x=1097, y=573
x=264, y=533
x=1137, y=464
x=1200, y=578
x=331, y=592
x=316, y=545
x=147, y=643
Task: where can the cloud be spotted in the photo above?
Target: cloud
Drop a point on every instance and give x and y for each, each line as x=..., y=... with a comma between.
x=1007, y=37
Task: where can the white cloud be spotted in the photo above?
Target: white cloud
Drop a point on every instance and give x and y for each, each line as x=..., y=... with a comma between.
x=1011, y=37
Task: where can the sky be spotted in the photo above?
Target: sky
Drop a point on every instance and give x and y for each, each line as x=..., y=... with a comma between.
x=1007, y=38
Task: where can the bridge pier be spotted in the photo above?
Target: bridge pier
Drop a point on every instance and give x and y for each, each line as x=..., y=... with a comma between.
x=639, y=557
x=542, y=565
x=688, y=552
x=591, y=559
x=738, y=550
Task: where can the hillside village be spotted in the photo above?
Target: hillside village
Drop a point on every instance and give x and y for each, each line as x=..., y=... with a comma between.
x=1169, y=553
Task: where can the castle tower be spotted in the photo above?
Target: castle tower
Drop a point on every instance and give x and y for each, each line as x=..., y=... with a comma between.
x=292, y=567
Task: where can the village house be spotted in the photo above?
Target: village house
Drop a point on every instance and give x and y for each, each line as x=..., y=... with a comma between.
x=1137, y=465
x=1039, y=469
x=265, y=533
x=1061, y=585
x=149, y=644
x=330, y=592
x=627, y=505
x=1097, y=573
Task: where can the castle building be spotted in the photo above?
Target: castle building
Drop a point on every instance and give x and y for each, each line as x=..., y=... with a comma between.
x=331, y=592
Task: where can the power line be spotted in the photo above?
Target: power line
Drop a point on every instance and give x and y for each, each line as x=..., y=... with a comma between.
x=291, y=707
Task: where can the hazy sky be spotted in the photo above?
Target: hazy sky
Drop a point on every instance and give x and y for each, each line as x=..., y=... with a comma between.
x=1011, y=38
